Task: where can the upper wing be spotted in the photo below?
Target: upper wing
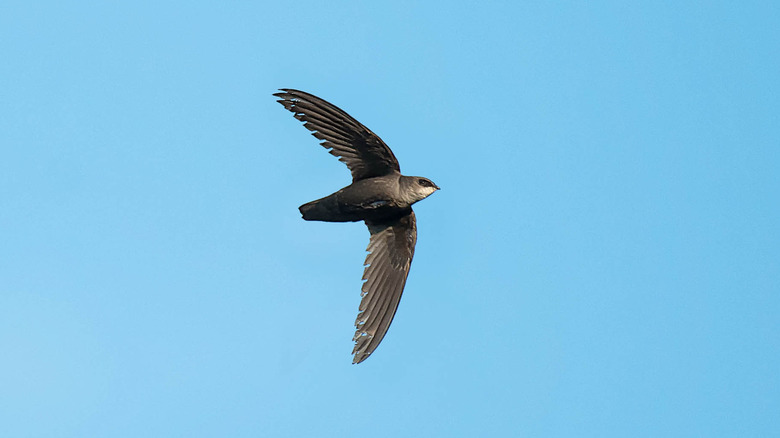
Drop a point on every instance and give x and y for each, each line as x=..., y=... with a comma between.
x=390, y=254
x=364, y=153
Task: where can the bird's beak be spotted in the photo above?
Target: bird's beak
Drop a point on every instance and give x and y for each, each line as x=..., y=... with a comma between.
x=437, y=187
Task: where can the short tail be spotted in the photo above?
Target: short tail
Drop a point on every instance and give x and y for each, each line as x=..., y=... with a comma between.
x=325, y=209
x=313, y=211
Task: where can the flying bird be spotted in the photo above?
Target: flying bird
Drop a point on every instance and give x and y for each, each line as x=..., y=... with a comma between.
x=379, y=195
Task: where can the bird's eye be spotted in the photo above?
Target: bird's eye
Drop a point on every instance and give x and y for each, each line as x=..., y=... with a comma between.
x=423, y=182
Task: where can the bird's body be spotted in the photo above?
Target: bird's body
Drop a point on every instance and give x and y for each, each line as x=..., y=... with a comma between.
x=373, y=200
x=379, y=195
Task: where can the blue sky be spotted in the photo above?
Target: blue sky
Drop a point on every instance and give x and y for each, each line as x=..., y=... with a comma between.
x=603, y=259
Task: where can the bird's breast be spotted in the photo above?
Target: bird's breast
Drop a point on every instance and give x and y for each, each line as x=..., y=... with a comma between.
x=372, y=199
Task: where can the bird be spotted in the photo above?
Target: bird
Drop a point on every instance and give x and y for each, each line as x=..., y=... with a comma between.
x=379, y=195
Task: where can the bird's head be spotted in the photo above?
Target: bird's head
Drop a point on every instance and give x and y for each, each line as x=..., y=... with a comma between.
x=419, y=188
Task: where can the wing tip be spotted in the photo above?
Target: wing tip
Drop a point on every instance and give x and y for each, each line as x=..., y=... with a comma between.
x=360, y=356
x=363, y=344
x=286, y=96
x=290, y=93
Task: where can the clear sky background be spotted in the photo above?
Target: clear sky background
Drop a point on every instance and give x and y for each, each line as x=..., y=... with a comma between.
x=603, y=259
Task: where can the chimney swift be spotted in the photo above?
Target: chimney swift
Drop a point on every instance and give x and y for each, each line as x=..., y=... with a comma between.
x=379, y=195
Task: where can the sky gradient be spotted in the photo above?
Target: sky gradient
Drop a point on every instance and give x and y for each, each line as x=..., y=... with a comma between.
x=603, y=259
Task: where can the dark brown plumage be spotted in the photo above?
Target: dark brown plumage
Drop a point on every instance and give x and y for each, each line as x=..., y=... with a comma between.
x=378, y=195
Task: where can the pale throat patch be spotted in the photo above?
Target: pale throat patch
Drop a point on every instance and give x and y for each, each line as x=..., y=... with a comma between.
x=418, y=193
